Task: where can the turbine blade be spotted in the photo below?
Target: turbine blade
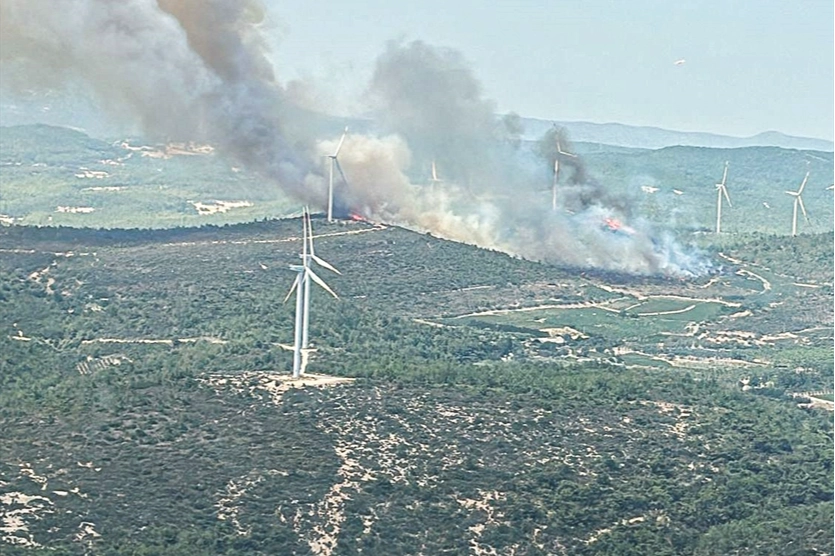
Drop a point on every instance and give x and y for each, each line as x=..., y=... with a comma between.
x=309, y=230
x=725, y=174
x=562, y=152
x=341, y=173
x=321, y=283
x=292, y=288
x=324, y=264
x=304, y=234
x=800, y=201
x=803, y=184
x=339, y=146
x=725, y=192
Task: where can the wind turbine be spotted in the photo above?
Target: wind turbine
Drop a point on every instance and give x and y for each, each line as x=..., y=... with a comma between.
x=557, y=173
x=335, y=162
x=798, y=201
x=720, y=191
x=302, y=286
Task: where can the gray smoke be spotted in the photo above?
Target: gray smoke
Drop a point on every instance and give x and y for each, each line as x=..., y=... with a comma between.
x=198, y=70
x=186, y=69
x=494, y=191
x=129, y=52
x=429, y=96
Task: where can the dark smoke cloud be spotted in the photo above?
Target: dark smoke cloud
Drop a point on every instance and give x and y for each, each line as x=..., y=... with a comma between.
x=225, y=36
x=199, y=70
x=577, y=189
x=549, y=147
x=186, y=69
x=494, y=191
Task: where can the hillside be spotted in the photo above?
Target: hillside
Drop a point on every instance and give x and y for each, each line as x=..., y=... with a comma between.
x=496, y=405
x=68, y=110
x=686, y=197
x=131, y=183
x=59, y=176
x=647, y=137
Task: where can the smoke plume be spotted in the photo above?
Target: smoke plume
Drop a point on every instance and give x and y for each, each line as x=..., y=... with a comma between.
x=186, y=69
x=199, y=70
x=494, y=191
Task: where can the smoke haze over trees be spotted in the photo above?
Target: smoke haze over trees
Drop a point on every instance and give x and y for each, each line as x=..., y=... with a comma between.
x=198, y=70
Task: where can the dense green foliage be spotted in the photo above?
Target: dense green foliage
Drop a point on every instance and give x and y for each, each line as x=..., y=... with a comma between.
x=757, y=180
x=458, y=432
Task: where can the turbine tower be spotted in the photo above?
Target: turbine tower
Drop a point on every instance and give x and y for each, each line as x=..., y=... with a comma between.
x=720, y=191
x=335, y=162
x=302, y=286
x=557, y=172
x=798, y=201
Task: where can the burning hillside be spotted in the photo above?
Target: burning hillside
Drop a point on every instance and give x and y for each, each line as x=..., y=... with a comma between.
x=198, y=71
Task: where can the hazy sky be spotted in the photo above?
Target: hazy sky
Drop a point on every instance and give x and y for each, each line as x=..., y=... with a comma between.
x=751, y=65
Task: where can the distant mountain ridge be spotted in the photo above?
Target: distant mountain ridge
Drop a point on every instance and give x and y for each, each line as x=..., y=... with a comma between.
x=646, y=137
x=74, y=113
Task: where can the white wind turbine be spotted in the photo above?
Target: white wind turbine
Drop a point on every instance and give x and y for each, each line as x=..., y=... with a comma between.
x=557, y=173
x=302, y=286
x=798, y=201
x=335, y=162
x=720, y=191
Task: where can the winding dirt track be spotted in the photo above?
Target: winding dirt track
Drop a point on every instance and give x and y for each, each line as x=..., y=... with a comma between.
x=672, y=312
x=766, y=284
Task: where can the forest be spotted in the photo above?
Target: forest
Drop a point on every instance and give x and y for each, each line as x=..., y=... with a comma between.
x=495, y=405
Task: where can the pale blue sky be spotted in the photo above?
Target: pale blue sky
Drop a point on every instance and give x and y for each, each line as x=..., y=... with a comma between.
x=751, y=65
